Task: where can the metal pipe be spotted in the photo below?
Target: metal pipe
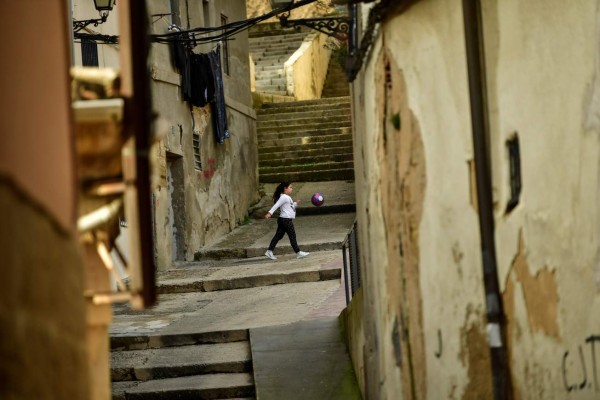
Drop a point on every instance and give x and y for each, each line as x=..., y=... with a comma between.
x=480, y=130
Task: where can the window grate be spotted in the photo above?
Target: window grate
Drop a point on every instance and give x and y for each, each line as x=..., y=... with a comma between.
x=197, y=160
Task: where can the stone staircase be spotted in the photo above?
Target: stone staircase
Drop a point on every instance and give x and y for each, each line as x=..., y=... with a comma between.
x=336, y=82
x=304, y=141
x=208, y=365
x=269, y=54
x=196, y=343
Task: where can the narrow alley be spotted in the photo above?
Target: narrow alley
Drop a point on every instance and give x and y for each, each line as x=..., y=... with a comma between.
x=235, y=324
x=144, y=143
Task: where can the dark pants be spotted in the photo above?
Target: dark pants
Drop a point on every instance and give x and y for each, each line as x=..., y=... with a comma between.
x=285, y=225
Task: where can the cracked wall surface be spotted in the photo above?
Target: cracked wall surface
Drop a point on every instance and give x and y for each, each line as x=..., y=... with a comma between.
x=543, y=67
x=418, y=228
x=423, y=327
x=218, y=194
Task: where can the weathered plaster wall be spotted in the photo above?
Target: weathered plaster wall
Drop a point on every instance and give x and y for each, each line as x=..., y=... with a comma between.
x=306, y=69
x=43, y=352
x=217, y=195
x=424, y=313
x=417, y=216
x=543, y=69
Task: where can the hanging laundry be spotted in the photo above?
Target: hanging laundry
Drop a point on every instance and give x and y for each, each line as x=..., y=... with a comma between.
x=181, y=60
x=202, y=83
x=218, y=105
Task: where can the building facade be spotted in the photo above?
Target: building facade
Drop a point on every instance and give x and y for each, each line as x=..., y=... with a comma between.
x=418, y=327
x=201, y=189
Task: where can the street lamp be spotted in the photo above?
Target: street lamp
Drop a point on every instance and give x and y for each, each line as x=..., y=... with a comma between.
x=103, y=7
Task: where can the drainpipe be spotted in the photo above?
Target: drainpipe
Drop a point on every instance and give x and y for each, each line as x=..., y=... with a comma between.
x=496, y=323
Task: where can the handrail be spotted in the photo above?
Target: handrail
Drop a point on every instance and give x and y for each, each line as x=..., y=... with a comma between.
x=351, y=261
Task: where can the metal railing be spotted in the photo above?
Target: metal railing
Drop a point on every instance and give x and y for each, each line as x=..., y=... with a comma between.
x=351, y=256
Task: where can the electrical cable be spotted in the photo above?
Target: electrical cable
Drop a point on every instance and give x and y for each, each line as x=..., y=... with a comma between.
x=193, y=36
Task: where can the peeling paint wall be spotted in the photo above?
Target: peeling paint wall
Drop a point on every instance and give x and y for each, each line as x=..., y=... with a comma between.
x=420, y=330
x=543, y=68
x=219, y=192
x=423, y=298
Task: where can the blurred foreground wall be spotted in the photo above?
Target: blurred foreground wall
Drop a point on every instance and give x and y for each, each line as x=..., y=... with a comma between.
x=42, y=309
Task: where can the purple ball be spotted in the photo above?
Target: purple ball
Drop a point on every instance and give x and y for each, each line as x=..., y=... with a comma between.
x=317, y=199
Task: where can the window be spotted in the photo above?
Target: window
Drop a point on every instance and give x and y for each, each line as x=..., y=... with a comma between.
x=89, y=53
x=197, y=160
x=225, y=48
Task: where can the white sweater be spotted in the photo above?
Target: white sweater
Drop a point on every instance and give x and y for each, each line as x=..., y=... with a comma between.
x=288, y=207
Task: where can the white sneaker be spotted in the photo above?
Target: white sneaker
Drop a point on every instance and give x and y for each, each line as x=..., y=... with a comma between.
x=270, y=255
x=301, y=254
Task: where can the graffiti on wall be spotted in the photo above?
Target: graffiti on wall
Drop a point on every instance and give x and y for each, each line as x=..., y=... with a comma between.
x=576, y=372
x=210, y=171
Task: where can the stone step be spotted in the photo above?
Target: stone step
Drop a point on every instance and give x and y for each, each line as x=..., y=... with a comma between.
x=277, y=39
x=269, y=68
x=142, y=341
x=268, y=110
x=324, y=166
x=304, y=140
x=272, y=89
x=294, y=104
x=270, y=51
x=240, y=276
x=306, y=120
x=286, y=48
x=303, y=133
x=295, y=125
x=283, y=93
x=299, y=152
x=308, y=176
x=276, y=81
x=323, y=112
x=271, y=59
x=214, y=386
x=323, y=147
x=345, y=156
x=171, y=362
x=268, y=74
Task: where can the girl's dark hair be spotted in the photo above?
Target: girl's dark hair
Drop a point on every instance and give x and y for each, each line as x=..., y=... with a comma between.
x=279, y=190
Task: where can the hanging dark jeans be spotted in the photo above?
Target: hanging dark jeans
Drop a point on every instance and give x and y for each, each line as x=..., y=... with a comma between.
x=285, y=225
x=218, y=105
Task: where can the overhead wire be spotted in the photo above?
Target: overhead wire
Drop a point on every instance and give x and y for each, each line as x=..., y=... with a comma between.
x=195, y=35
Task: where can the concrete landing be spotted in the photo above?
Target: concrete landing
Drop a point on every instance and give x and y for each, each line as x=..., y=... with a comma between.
x=302, y=360
x=313, y=232
x=212, y=275
x=198, y=312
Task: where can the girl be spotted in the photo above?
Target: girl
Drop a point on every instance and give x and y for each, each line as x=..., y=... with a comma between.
x=285, y=223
